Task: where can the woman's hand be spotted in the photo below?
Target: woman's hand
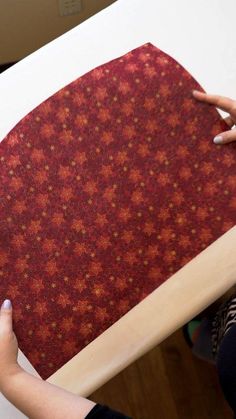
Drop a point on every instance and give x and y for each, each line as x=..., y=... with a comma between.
x=8, y=344
x=225, y=104
x=33, y=396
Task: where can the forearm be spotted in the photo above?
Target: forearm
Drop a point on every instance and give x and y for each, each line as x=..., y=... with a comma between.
x=39, y=399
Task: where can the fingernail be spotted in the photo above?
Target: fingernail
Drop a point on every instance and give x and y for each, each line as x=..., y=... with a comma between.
x=218, y=140
x=6, y=304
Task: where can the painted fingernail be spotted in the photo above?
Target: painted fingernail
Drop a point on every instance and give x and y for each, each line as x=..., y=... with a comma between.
x=6, y=304
x=218, y=140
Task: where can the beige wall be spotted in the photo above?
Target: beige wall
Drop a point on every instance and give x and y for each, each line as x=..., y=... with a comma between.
x=26, y=25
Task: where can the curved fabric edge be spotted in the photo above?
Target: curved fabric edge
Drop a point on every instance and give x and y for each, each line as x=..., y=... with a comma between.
x=147, y=44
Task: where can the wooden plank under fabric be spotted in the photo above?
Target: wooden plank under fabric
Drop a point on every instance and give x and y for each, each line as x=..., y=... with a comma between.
x=108, y=188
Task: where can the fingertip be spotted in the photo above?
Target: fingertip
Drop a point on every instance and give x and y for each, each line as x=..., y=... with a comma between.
x=6, y=304
x=198, y=95
x=227, y=137
x=218, y=140
x=195, y=92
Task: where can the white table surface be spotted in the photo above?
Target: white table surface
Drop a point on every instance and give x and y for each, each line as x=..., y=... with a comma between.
x=199, y=35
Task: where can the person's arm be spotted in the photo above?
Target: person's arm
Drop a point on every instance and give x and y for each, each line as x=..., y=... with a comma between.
x=36, y=398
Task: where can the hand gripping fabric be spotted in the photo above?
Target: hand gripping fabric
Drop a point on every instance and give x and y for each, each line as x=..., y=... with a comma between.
x=107, y=188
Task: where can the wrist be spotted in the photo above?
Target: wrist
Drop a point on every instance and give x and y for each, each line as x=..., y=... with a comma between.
x=9, y=375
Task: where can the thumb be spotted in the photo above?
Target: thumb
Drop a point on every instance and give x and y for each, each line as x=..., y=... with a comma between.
x=6, y=316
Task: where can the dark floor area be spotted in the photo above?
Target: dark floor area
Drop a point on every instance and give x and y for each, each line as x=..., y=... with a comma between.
x=167, y=383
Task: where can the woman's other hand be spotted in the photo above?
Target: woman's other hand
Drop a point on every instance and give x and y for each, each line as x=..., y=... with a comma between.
x=8, y=344
x=225, y=104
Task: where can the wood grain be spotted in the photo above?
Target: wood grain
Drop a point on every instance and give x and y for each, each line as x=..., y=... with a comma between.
x=168, y=382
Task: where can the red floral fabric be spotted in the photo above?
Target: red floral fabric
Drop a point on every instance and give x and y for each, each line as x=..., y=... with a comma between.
x=107, y=188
